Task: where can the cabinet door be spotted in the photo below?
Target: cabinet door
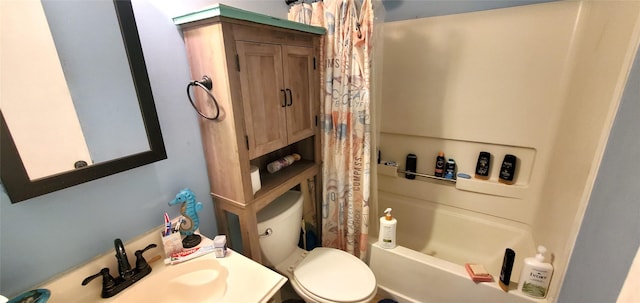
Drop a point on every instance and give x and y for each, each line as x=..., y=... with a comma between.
x=299, y=78
x=263, y=96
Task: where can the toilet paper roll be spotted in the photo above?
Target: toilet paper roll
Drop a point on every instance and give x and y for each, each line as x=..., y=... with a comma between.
x=255, y=179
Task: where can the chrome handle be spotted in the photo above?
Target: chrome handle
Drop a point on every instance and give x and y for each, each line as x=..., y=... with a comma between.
x=267, y=232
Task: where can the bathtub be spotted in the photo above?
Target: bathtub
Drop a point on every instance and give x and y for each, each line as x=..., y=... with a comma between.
x=428, y=263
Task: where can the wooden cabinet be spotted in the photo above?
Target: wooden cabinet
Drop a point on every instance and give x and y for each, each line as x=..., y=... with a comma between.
x=266, y=82
x=277, y=86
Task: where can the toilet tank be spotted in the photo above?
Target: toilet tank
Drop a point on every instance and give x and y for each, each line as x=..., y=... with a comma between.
x=284, y=217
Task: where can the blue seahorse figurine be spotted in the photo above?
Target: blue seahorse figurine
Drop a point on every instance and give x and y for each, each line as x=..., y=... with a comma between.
x=189, y=210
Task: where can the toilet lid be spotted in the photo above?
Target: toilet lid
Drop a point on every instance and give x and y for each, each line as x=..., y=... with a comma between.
x=335, y=275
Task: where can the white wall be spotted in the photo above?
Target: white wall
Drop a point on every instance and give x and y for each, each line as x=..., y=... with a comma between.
x=475, y=82
x=610, y=231
x=630, y=291
x=542, y=82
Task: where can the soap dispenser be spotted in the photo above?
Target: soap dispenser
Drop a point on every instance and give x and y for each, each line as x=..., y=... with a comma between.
x=536, y=275
x=387, y=235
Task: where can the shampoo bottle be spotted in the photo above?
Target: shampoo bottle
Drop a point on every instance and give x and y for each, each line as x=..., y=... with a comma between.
x=450, y=171
x=536, y=275
x=483, y=164
x=387, y=235
x=440, y=163
x=508, y=169
x=410, y=166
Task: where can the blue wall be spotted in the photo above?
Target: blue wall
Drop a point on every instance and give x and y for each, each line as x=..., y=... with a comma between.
x=610, y=233
x=47, y=235
x=78, y=223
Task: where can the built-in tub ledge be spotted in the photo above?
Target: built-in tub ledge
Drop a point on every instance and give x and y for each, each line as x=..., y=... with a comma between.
x=489, y=187
x=492, y=187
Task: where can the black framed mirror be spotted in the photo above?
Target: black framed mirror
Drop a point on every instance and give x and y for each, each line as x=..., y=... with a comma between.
x=15, y=179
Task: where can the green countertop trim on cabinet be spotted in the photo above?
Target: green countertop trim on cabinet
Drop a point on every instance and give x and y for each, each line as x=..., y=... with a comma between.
x=235, y=13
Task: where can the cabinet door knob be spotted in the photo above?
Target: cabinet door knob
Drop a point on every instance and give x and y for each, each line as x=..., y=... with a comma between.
x=284, y=98
x=290, y=97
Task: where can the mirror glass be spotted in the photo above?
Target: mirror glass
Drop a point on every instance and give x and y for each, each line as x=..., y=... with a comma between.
x=77, y=103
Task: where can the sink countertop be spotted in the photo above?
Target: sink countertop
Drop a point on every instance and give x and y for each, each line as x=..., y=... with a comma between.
x=248, y=281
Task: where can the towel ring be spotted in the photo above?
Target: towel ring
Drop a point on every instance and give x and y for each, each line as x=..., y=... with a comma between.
x=206, y=85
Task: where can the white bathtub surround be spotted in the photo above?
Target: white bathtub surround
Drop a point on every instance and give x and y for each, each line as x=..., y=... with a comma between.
x=630, y=291
x=457, y=235
x=438, y=240
x=409, y=276
x=542, y=82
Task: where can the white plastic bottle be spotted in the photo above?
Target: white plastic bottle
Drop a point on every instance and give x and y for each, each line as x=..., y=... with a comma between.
x=387, y=235
x=536, y=275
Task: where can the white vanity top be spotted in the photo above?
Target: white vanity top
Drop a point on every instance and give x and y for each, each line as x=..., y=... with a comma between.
x=247, y=281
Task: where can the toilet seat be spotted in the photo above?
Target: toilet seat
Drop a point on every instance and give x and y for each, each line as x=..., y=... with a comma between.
x=309, y=297
x=333, y=275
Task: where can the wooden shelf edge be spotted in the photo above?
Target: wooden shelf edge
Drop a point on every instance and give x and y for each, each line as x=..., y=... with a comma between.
x=274, y=185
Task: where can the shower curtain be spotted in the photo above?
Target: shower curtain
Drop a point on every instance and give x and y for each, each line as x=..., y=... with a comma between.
x=346, y=127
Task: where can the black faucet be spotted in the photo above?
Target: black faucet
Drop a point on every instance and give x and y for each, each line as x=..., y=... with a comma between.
x=124, y=268
x=127, y=276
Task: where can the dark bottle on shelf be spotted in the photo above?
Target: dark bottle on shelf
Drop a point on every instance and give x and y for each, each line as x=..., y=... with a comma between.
x=410, y=166
x=508, y=169
x=450, y=171
x=483, y=165
x=440, y=163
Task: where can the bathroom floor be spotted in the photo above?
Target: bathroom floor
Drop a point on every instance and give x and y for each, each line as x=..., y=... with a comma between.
x=289, y=295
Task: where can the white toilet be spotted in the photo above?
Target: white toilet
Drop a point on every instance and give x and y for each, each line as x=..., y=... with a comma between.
x=322, y=275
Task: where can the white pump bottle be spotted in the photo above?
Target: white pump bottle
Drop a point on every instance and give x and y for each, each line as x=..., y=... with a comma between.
x=536, y=275
x=387, y=235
